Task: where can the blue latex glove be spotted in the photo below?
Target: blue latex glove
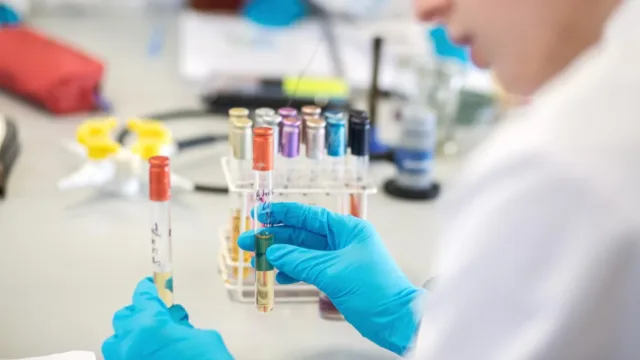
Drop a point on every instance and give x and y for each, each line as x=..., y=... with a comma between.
x=344, y=257
x=147, y=329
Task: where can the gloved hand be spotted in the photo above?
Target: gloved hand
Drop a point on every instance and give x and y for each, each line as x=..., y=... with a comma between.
x=344, y=257
x=147, y=329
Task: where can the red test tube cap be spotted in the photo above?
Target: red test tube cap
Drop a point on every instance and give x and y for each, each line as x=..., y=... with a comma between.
x=263, y=149
x=159, y=179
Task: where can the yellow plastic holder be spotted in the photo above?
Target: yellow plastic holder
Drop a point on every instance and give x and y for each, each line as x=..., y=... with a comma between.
x=150, y=130
x=101, y=148
x=147, y=148
x=95, y=128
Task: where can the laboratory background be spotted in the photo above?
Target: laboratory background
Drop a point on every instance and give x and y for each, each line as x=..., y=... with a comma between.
x=131, y=132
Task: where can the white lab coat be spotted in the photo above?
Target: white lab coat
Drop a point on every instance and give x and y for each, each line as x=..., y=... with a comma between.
x=540, y=256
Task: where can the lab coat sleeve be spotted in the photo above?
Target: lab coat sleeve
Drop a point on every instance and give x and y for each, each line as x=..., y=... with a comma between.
x=531, y=257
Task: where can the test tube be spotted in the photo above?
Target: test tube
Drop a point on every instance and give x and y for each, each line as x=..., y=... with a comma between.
x=308, y=112
x=241, y=146
x=336, y=149
x=290, y=148
x=315, y=154
x=261, y=113
x=263, y=170
x=161, y=252
x=359, y=127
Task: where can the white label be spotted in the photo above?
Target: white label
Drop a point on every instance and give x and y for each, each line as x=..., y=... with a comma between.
x=159, y=251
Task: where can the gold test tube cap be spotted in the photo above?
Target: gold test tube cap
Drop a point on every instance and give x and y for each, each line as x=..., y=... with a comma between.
x=311, y=110
x=240, y=138
x=238, y=112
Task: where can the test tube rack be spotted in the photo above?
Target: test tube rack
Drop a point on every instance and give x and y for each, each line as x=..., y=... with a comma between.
x=241, y=287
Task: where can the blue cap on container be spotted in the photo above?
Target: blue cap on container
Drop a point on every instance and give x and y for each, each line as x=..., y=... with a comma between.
x=336, y=134
x=275, y=13
x=445, y=48
x=8, y=16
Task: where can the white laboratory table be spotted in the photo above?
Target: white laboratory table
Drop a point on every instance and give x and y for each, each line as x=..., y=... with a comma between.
x=70, y=260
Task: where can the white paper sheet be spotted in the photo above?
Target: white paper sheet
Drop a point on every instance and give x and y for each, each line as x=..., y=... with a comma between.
x=212, y=44
x=73, y=355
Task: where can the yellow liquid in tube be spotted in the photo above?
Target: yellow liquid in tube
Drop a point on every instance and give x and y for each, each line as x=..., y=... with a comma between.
x=265, y=285
x=235, y=250
x=164, y=284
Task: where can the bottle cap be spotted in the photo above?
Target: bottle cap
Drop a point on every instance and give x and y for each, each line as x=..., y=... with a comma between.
x=286, y=112
x=315, y=138
x=336, y=136
x=159, y=179
x=333, y=114
x=290, y=137
x=291, y=121
x=264, y=111
x=311, y=110
x=272, y=120
x=240, y=138
x=263, y=149
x=359, y=128
x=261, y=114
x=238, y=112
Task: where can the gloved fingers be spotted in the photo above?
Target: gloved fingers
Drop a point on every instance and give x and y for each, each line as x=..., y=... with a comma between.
x=314, y=219
x=221, y=352
x=246, y=241
x=299, y=263
x=146, y=298
x=298, y=215
x=147, y=308
x=281, y=277
x=121, y=321
x=286, y=235
x=180, y=316
x=111, y=349
x=285, y=279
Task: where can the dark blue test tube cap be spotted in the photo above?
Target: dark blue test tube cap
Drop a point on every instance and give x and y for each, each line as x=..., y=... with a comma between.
x=359, y=132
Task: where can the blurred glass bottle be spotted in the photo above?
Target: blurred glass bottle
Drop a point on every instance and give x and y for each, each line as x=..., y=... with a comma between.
x=450, y=69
